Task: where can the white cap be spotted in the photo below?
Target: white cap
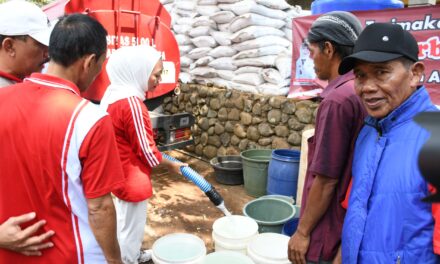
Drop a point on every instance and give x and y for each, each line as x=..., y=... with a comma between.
x=24, y=18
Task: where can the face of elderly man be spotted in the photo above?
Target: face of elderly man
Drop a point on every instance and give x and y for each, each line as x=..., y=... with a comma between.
x=386, y=85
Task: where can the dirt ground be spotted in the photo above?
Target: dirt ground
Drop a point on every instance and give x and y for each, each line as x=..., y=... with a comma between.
x=179, y=206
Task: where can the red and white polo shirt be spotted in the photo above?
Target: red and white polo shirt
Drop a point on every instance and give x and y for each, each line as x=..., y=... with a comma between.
x=57, y=149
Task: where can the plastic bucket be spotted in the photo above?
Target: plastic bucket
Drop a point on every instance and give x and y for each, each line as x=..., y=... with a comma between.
x=324, y=6
x=269, y=248
x=227, y=257
x=255, y=165
x=233, y=233
x=283, y=172
x=269, y=213
x=228, y=169
x=279, y=196
x=179, y=248
x=290, y=227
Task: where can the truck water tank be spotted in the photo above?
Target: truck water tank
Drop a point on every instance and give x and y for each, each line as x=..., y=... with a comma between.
x=324, y=6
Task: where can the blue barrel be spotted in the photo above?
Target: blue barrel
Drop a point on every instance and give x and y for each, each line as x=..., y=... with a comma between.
x=283, y=172
x=324, y=6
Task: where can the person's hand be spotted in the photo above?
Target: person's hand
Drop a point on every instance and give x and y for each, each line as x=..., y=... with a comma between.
x=297, y=249
x=174, y=167
x=12, y=237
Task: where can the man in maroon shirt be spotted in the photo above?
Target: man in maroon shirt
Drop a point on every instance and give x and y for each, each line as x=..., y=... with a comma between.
x=338, y=121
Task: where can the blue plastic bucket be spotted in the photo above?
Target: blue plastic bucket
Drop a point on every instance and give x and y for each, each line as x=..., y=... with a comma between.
x=324, y=6
x=290, y=226
x=283, y=172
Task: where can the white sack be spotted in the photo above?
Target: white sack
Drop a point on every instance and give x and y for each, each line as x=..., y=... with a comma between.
x=183, y=39
x=222, y=17
x=275, y=4
x=203, y=61
x=222, y=51
x=263, y=51
x=199, y=31
x=272, y=89
x=197, y=53
x=204, y=21
x=247, y=69
x=253, y=32
x=205, y=72
x=254, y=79
x=261, y=42
x=204, y=41
x=185, y=77
x=207, y=2
x=222, y=38
x=225, y=74
x=185, y=49
x=185, y=61
x=273, y=76
x=265, y=61
x=283, y=62
x=244, y=87
x=224, y=27
x=185, y=5
x=223, y=63
x=249, y=6
x=207, y=10
x=182, y=29
x=255, y=20
x=185, y=21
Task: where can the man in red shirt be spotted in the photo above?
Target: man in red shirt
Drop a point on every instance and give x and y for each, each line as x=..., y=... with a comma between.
x=24, y=37
x=59, y=157
x=338, y=121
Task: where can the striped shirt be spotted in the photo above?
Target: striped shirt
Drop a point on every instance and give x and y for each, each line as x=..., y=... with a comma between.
x=57, y=151
x=136, y=145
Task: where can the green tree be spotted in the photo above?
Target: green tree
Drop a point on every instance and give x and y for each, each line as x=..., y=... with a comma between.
x=37, y=2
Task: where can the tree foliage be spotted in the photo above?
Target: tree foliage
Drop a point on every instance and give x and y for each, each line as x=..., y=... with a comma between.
x=37, y=2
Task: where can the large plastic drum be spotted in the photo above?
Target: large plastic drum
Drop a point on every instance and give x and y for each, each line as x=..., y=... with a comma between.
x=324, y=6
x=283, y=172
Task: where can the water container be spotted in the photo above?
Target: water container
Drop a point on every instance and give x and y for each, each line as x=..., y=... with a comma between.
x=290, y=226
x=179, y=248
x=269, y=248
x=255, y=165
x=283, y=172
x=233, y=233
x=288, y=199
x=227, y=257
x=269, y=213
x=228, y=169
x=324, y=6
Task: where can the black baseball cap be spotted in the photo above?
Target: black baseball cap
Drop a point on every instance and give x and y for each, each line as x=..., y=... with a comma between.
x=380, y=42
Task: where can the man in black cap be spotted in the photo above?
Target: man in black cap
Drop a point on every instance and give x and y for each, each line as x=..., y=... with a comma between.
x=386, y=220
x=338, y=121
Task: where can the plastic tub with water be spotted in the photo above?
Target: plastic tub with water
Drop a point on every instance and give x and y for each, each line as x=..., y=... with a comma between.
x=227, y=257
x=269, y=248
x=228, y=170
x=233, y=233
x=179, y=248
x=269, y=213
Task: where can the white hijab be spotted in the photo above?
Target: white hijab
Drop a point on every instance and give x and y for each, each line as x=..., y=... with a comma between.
x=129, y=69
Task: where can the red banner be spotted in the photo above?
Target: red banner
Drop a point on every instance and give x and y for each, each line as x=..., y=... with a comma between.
x=422, y=22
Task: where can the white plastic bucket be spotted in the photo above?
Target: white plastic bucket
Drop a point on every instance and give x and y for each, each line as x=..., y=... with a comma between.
x=234, y=233
x=227, y=257
x=269, y=248
x=179, y=248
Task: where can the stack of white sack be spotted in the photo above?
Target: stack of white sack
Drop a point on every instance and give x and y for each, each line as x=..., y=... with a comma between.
x=237, y=44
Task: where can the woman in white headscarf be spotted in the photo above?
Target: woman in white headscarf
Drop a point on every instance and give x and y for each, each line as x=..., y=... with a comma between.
x=132, y=72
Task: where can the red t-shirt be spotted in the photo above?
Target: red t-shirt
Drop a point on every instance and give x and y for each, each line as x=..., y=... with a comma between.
x=339, y=119
x=57, y=150
x=136, y=145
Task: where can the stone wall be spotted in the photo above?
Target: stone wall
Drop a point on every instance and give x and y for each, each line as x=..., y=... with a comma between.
x=230, y=121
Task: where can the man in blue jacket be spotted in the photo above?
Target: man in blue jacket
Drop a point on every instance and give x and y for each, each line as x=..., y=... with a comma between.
x=386, y=220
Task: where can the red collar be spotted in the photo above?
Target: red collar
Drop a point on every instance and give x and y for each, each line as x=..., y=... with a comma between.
x=10, y=77
x=52, y=81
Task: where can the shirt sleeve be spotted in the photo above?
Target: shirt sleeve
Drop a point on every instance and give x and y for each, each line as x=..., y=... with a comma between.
x=333, y=137
x=139, y=130
x=101, y=166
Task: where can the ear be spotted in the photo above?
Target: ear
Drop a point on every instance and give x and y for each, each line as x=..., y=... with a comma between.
x=8, y=46
x=89, y=61
x=329, y=49
x=417, y=70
